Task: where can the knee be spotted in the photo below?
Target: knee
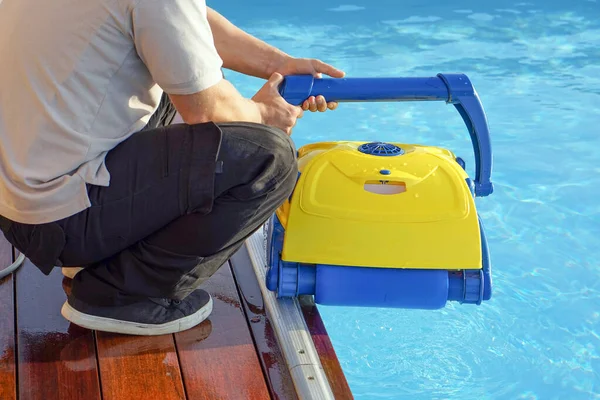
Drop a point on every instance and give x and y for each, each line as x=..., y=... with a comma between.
x=280, y=146
x=267, y=154
x=261, y=139
x=283, y=153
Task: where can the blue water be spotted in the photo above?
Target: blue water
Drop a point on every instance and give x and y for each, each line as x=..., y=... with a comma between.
x=536, y=66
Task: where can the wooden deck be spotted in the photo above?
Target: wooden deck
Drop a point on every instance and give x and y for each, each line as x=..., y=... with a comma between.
x=232, y=355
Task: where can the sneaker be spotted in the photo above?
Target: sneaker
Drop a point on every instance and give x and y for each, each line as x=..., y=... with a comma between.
x=149, y=317
x=70, y=272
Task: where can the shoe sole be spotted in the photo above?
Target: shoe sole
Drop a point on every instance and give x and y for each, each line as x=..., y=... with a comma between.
x=135, y=328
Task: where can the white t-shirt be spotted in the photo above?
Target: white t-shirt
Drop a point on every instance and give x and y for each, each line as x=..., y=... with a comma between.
x=79, y=77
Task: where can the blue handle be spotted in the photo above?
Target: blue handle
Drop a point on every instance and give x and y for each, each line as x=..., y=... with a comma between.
x=452, y=88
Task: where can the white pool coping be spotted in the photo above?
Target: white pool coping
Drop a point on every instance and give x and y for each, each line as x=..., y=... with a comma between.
x=293, y=336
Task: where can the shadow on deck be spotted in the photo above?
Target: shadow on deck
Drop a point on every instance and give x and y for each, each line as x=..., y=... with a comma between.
x=232, y=355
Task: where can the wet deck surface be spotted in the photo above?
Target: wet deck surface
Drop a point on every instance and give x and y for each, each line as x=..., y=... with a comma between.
x=232, y=355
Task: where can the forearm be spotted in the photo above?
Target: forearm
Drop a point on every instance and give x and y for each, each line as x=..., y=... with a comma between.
x=238, y=109
x=241, y=51
x=220, y=103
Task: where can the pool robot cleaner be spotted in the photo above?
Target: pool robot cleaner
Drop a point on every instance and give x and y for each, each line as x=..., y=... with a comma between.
x=392, y=225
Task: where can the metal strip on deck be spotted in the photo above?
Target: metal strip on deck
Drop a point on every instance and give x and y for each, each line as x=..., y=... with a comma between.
x=329, y=361
x=272, y=360
x=292, y=332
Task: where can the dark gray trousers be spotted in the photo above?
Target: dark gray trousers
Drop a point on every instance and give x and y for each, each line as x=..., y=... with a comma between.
x=182, y=199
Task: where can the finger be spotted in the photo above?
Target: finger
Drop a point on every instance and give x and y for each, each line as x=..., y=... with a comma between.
x=312, y=103
x=305, y=105
x=332, y=105
x=321, y=67
x=321, y=103
x=275, y=80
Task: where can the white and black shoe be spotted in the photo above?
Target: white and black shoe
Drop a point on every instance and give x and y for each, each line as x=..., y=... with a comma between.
x=148, y=317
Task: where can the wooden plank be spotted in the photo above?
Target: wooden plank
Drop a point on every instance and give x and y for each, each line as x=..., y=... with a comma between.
x=139, y=367
x=218, y=358
x=8, y=385
x=273, y=363
x=331, y=365
x=56, y=360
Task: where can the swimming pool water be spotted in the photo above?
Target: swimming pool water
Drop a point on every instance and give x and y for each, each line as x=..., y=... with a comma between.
x=536, y=66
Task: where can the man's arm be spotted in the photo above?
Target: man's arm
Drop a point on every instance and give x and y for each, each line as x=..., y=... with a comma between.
x=243, y=52
x=218, y=103
x=223, y=103
x=174, y=40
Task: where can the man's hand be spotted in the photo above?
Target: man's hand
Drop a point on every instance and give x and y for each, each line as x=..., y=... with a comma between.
x=316, y=68
x=275, y=111
x=249, y=55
